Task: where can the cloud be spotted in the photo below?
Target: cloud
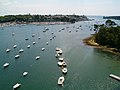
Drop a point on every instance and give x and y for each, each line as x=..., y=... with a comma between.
x=7, y=2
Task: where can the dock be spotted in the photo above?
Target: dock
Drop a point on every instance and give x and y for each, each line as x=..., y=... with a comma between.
x=115, y=77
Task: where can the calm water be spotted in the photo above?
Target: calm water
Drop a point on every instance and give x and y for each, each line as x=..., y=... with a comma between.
x=88, y=68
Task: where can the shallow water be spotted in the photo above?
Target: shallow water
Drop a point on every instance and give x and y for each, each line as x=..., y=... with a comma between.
x=88, y=68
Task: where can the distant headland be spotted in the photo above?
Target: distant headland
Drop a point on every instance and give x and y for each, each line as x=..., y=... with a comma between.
x=42, y=19
x=112, y=17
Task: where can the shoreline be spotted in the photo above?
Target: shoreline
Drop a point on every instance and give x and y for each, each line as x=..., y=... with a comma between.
x=91, y=42
x=32, y=23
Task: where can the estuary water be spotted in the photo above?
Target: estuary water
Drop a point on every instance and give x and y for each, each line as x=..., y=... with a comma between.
x=88, y=68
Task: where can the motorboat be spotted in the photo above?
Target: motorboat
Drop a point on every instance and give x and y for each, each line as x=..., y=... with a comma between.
x=25, y=73
x=46, y=29
x=21, y=50
x=8, y=50
x=60, y=63
x=59, y=52
x=28, y=46
x=17, y=56
x=15, y=46
x=33, y=35
x=13, y=34
x=34, y=43
x=61, y=80
x=50, y=38
x=60, y=59
x=43, y=49
x=38, y=37
x=52, y=33
x=64, y=70
x=26, y=38
x=5, y=65
x=57, y=55
x=64, y=64
x=17, y=85
x=57, y=49
x=46, y=43
x=38, y=57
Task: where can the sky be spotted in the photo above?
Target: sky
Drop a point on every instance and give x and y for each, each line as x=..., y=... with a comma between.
x=80, y=7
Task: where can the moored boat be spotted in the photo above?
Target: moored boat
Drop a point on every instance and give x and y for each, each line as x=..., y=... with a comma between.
x=17, y=56
x=57, y=55
x=5, y=65
x=60, y=63
x=15, y=46
x=28, y=46
x=43, y=49
x=8, y=50
x=38, y=57
x=34, y=43
x=64, y=70
x=17, y=85
x=60, y=59
x=64, y=64
x=25, y=74
x=21, y=50
x=61, y=80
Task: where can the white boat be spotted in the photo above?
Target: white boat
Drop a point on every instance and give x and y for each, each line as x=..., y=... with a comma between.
x=43, y=49
x=26, y=38
x=64, y=70
x=60, y=63
x=38, y=37
x=46, y=28
x=34, y=43
x=15, y=46
x=38, y=57
x=46, y=43
x=17, y=56
x=21, y=50
x=50, y=38
x=57, y=55
x=8, y=50
x=115, y=77
x=57, y=49
x=52, y=33
x=28, y=46
x=5, y=65
x=17, y=85
x=61, y=80
x=33, y=35
x=13, y=34
x=64, y=64
x=25, y=73
x=60, y=59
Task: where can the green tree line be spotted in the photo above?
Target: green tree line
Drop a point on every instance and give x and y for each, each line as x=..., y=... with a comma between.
x=42, y=18
x=108, y=36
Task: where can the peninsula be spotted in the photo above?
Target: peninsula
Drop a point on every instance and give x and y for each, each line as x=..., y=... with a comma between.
x=107, y=37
